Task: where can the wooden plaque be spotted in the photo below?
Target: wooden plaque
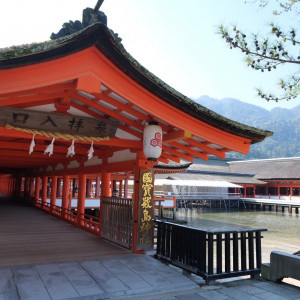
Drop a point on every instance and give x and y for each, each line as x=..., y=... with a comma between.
x=146, y=210
x=55, y=122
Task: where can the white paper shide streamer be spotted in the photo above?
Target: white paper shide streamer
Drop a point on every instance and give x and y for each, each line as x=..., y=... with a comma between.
x=91, y=151
x=32, y=145
x=49, y=149
x=71, y=150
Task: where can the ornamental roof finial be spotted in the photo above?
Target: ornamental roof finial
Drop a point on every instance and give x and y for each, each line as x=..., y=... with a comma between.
x=98, y=5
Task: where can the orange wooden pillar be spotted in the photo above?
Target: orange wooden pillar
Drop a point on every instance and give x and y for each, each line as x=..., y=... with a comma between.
x=105, y=192
x=120, y=188
x=74, y=187
x=81, y=198
x=65, y=196
x=26, y=189
x=37, y=189
x=97, y=192
x=17, y=188
x=31, y=189
x=58, y=191
x=44, y=192
x=53, y=194
x=89, y=183
x=126, y=188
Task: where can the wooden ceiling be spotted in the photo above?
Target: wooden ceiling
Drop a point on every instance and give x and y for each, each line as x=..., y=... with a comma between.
x=66, y=98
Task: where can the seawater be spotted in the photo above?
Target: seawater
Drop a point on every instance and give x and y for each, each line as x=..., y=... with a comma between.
x=283, y=228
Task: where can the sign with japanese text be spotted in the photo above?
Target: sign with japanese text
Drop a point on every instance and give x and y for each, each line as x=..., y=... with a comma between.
x=146, y=210
x=55, y=122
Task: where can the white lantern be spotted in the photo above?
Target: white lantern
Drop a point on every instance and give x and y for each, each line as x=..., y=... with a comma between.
x=152, y=141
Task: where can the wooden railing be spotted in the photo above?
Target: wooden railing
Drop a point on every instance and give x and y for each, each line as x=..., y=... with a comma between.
x=210, y=254
x=90, y=223
x=70, y=216
x=117, y=220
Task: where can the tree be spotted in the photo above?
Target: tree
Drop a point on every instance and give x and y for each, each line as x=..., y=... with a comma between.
x=267, y=53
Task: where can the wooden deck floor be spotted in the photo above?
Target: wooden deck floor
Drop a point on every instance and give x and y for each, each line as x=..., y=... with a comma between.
x=29, y=236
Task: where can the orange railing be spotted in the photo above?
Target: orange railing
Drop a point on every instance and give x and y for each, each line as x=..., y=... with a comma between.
x=90, y=223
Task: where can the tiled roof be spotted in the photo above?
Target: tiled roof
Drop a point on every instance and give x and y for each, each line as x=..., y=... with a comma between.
x=106, y=41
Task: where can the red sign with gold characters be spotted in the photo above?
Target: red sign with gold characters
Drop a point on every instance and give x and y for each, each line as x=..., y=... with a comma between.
x=146, y=210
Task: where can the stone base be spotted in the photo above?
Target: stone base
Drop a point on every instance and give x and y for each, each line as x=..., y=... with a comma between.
x=265, y=271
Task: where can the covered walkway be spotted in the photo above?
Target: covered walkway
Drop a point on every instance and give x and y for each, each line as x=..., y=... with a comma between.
x=29, y=236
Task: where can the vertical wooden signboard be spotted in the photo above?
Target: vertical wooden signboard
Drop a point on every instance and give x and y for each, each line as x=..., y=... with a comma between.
x=146, y=210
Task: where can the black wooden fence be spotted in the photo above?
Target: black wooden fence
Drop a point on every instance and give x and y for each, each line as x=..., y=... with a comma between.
x=210, y=254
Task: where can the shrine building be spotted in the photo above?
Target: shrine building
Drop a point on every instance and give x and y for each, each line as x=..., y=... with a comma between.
x=80, y=117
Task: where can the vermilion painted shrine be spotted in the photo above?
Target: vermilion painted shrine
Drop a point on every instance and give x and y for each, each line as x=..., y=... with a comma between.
x=89, y=74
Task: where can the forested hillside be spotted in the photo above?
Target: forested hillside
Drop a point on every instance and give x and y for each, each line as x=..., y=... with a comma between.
x=285, y=123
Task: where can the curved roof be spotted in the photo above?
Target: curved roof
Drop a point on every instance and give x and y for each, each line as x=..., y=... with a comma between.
x=105, y=40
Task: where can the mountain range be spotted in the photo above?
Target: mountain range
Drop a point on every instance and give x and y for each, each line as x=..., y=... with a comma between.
x=285, y=123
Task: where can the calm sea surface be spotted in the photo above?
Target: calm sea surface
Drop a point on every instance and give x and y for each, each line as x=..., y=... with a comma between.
x=283, y=229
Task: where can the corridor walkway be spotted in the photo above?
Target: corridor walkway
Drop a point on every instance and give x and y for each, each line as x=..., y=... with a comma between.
x=30, y=236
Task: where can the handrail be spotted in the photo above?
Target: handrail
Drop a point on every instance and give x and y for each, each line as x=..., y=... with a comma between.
x=90, y=223
x=212, y=254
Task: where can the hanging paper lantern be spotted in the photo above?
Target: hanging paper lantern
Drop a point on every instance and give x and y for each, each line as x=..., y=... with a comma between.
x=152, y=141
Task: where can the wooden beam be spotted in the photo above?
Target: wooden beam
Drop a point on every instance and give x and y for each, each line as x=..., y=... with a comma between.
x=12, y=133
x=189, y=150
x=79, y=149
x=96, y=115
x=165, y=155
x=206, y=148
x=176, y=135
x=40, y=90
x=163, y=160
x=178, y=153
x=38, y=99
x=89, y=84
x=108, y=111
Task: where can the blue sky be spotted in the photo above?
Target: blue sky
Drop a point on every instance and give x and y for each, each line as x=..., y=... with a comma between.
x=175, y=39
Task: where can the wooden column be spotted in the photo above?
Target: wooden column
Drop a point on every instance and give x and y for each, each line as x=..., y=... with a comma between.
x=126, y=188
x=38, y=183
x=97, y=193
x=105, y=185
x=88, y=188
x=65, y=196
x=17, y=188
x=278, y=191
x=44, y=192
x=48, y=188
x=53, y=194
x=81, y=198
x=74, y=188
x=31, y=188
x=58, y=190
x=105, y=192
x=114, y=188
x=26, y=189
x=120, y=188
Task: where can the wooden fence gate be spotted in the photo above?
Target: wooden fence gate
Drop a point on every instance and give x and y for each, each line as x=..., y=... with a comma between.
x=117, y=221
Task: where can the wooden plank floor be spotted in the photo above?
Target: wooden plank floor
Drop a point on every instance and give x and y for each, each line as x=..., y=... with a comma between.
x=29, y=235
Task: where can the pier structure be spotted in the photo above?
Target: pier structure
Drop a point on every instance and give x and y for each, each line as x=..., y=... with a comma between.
x=272, y=205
